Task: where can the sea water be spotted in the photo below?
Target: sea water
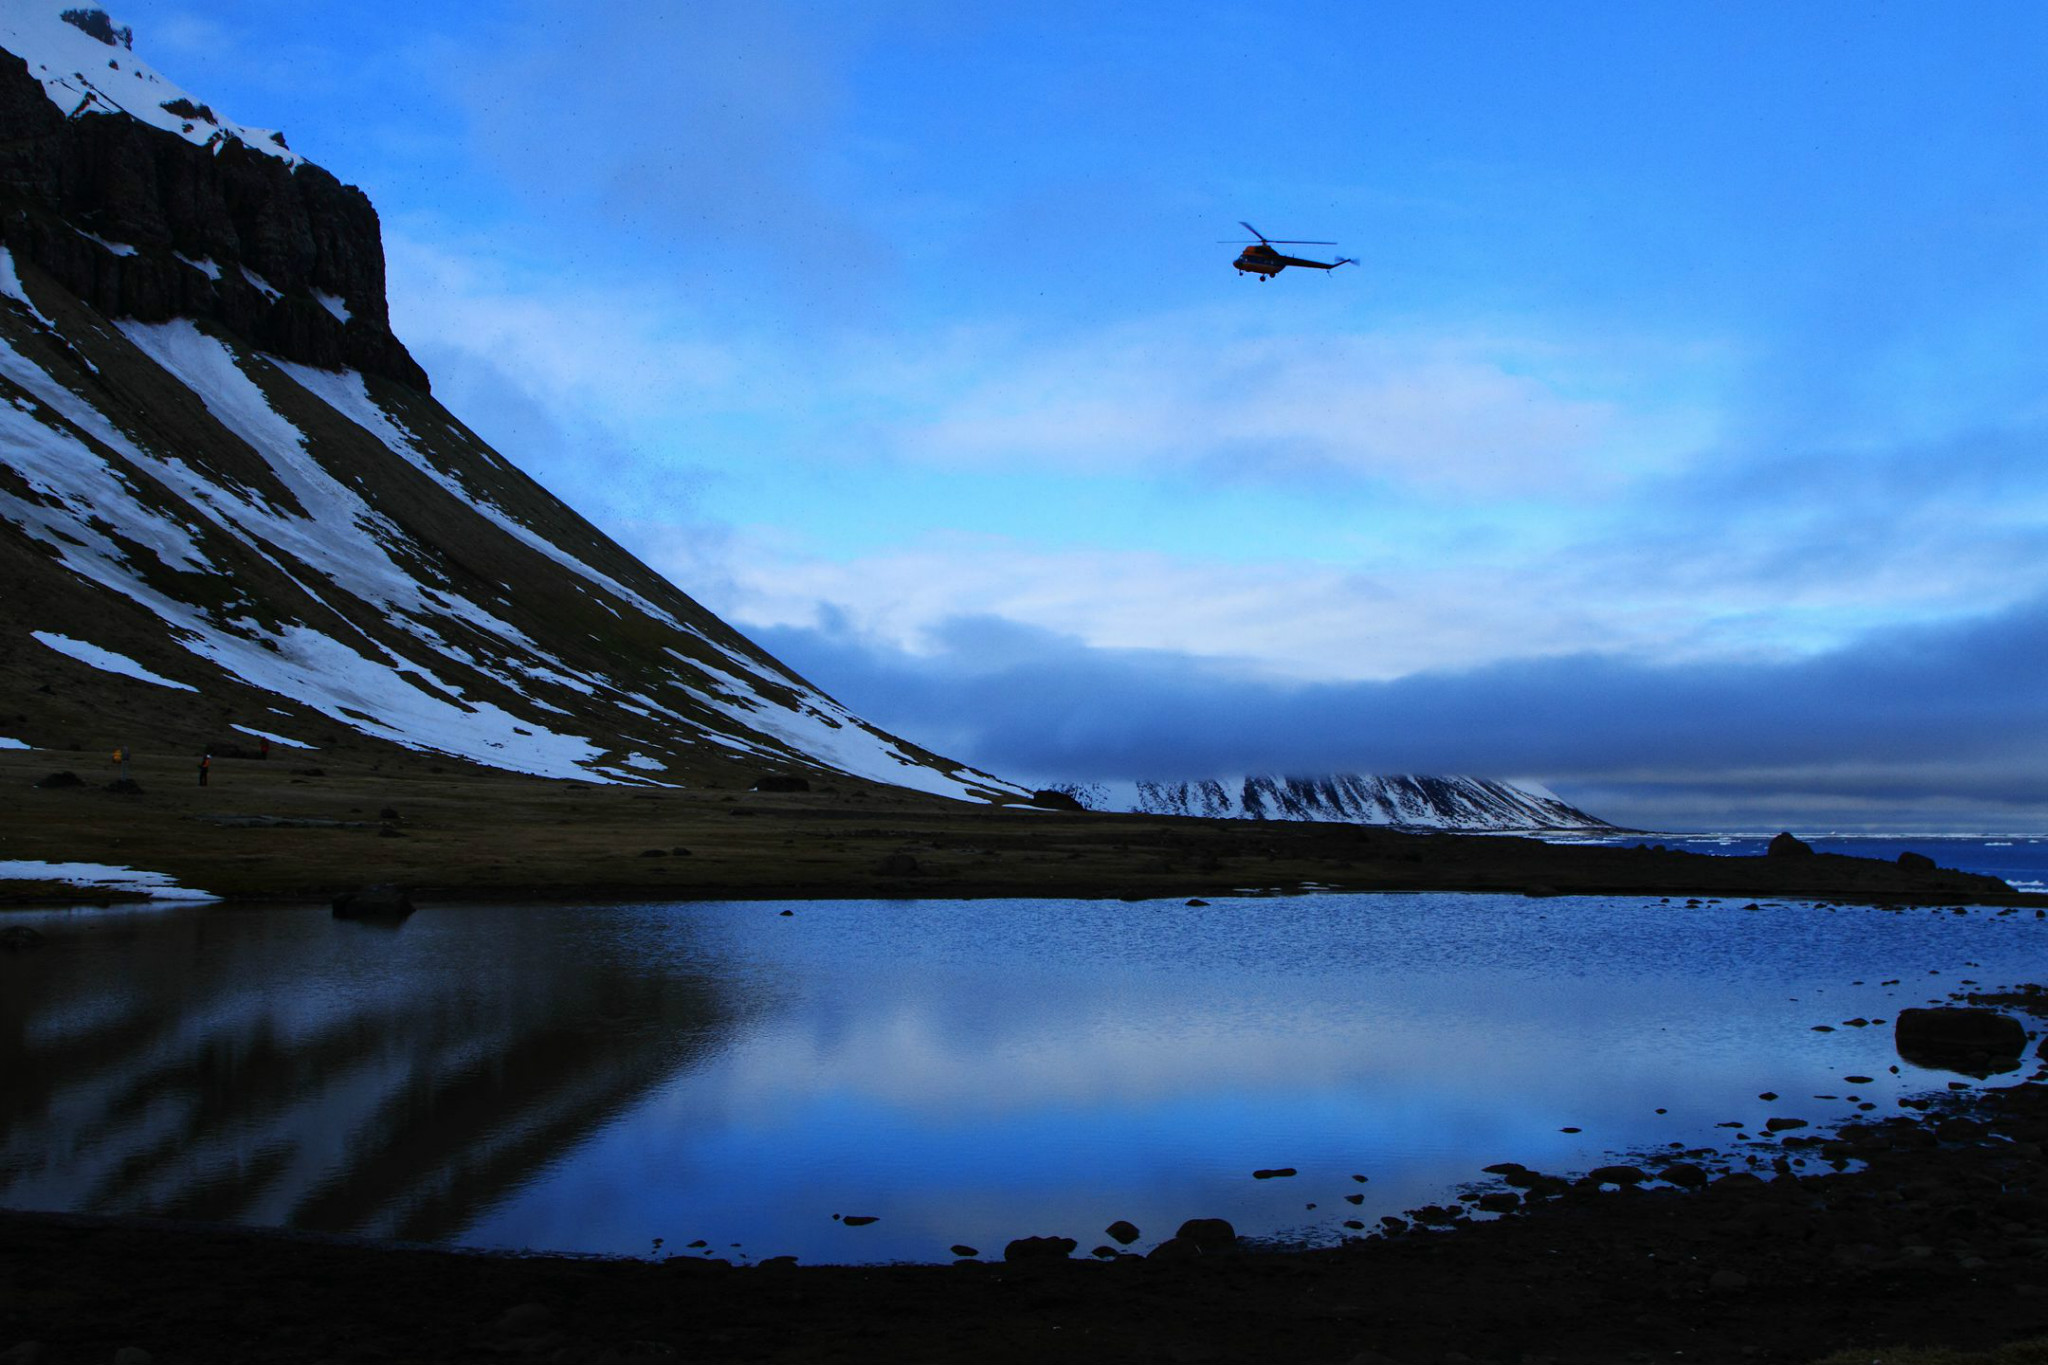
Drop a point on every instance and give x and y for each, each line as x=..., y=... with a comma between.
x=636, y=1079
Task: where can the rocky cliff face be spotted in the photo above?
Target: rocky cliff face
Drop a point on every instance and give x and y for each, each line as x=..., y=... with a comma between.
x=232, y=514
x=142, y=223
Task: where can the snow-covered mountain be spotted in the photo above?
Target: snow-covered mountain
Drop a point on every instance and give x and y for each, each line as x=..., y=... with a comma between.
x=229, y=504
x=1461, y=803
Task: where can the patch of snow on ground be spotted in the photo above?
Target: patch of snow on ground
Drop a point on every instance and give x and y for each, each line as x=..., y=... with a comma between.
x=263, y=286
x=106, y=660
x=333, y=305
x=118, y=248
x=206, y=267
x=6, y=743
x=155, y=885
x=11, y=287
x=82, y=75
x=345, y=392
x=273, y=737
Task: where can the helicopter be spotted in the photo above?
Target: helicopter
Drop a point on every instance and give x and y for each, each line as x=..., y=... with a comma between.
x=1260, y=259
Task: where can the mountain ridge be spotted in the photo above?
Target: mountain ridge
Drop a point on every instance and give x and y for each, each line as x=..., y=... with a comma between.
x=219, y=468
x=1399, y=801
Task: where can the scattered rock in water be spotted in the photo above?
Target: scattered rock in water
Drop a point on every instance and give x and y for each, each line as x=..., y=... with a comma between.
x=1040, y=1249
x=964, y=1251
x=1362, y=1179
x=1785, y=845
x=383, y=901
x=1973, y=1041
x=1768, y=1095
x=1571, y=1130
x=858, y=1220
x=1196, y=900
x=19, y=938
x=1782, y=1125
x=1354, y=1199
x=1683, y=1174
x=1499, y=1201
x=1105, y=1253
x=1354, y=1225
x=59, y=781
x=1274, y=1173
x=1616, y=1175
x=788, y=913
x=1122, y=1231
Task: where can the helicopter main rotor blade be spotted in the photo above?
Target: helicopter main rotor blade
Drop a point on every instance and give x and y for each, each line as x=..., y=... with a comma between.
x=1296, y=241
x=1252, y=230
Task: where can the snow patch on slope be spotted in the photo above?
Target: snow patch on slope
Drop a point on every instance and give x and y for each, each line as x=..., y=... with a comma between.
x=155, y=885
x=106, y=660
x=83, y=75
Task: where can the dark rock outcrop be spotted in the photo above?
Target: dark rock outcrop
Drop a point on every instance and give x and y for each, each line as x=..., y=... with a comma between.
x=1040, y=1249
x=19, y=938
x=1975, y=1042
x=383, y=902
x=1916, y=862
x=1056, y=800
x=1786, y=845
x=296, y=227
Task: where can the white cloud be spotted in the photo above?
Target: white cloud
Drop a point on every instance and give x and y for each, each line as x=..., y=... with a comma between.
x=1183, y=392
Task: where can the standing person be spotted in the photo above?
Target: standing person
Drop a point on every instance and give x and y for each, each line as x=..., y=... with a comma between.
x=205, y=763
x=121, y=763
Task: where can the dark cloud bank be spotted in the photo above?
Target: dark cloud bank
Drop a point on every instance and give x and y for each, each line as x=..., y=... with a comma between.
x=1927, y=727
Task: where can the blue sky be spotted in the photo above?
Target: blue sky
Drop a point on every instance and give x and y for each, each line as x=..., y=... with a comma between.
x=1678, y=439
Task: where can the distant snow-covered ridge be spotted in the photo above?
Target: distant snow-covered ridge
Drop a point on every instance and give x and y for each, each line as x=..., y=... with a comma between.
x=1403, y=801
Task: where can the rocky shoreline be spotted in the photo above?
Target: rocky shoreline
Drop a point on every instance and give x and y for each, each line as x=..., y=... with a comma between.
x=1923, y=1227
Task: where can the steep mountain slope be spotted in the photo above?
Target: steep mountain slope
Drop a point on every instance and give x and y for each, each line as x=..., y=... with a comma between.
x=1462, y=803
x=229, y=505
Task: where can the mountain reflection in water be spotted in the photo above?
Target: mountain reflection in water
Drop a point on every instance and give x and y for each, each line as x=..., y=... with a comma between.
x=283, y=1068
x=721, y=1079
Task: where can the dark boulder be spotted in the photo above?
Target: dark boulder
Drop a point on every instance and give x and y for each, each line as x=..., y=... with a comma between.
x=1616, y=1175
x=19, y=938
x=1028, y=1249
x=384, y=902
x=1974, y=1042
x=1052, y=800
x=1122, y=1231
x=59, y=781
x=1208, y=1235
x=1784, y=845
x=783, y=782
